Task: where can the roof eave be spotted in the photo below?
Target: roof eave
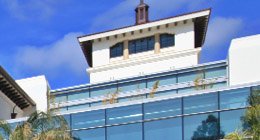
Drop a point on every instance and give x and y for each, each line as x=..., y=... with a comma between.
x=155, y=23
x=18, y=89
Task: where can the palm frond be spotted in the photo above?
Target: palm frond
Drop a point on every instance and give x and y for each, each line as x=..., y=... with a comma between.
x=5, y=129
x=237, y=135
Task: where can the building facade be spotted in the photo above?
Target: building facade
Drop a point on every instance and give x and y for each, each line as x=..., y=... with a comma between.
x=146, y=83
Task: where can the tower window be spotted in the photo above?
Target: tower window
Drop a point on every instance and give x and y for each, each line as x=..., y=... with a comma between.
x=141, y=45
x=116, y=50
x=167, y=40
x=141, y=14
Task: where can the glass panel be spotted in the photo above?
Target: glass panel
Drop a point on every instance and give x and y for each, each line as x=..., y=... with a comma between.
x=216, y=72
x=125, y=132
x=231, y=121
x=60, y=98
x=219, y=85
x=78, y=95
x=166, y=40
x=92, y=134
x=165, y=80
x=170, y=129
x=162, y=93
x=162, y=109
x=67, y=119
x=200, y=103
x=124, y=114
x=124, y=87
x=103, y=91
x=188, y=77
x=97, y=104
x=141, y=45
x=132, y=98
x=62, y=109
x=186, y=90
x=234, y=98
x=78, y=107
x=116, y=50
x=151, y=42
x=201, y=127
x=88, y=119
x=131, y=47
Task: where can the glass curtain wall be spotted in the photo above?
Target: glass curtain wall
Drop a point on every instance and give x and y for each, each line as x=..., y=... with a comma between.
x=197, y=117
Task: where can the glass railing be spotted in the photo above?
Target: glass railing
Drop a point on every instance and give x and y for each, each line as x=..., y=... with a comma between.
x=172, y=82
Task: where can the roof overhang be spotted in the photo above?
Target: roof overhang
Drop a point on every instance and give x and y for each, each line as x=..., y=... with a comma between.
x=13, y=91
x=200, y=18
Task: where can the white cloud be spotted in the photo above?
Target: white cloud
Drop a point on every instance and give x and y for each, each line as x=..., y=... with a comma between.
x=222, y=29
x=30, y=9
x=123, y=13
x=54, y=58
x=220, y=33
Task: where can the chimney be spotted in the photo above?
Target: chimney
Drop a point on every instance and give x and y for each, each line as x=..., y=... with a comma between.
x=142, y=13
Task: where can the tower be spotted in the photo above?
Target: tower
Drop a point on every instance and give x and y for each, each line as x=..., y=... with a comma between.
x=142, y=13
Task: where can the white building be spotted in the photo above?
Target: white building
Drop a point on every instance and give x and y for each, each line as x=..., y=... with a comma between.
x=185, y=35
x=122, y=100
x=14, y=102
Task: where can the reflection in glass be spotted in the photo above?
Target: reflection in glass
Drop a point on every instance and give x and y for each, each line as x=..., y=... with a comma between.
x=187, y=77
x=163, y=130
x=78, y=95
x=219, y=85
x=186, y=90
x=130, y=86
x=200, y=127
x=162, y=93
x=231, y=120
x=124, y=114
x=88, y=119
x=200, y=103
x=234, y=98
x=162, y=109
x=92, y=134
x=67, y=119
x=125, y=132
x=78, y=107
x=103, y=91
x=165, y=80
x=215, y=72
x=60, y=98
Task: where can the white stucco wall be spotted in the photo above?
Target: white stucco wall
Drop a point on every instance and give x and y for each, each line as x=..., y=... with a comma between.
x=143, y=66
x=183, y=54
x=244, y=60
x=184, y=39
x=37, y=88
x=7, y=108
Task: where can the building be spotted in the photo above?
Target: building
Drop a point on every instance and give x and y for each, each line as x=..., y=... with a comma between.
x=146, y=83
x=13, y=100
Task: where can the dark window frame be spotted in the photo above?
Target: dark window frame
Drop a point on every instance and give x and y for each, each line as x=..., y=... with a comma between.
x=165, y=41
x=117, y=50
x=141, y=45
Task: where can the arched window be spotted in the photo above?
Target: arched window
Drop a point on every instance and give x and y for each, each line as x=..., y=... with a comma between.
x=116, y=50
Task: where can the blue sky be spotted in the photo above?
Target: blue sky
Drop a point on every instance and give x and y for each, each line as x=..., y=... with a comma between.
x=38, y=37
